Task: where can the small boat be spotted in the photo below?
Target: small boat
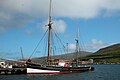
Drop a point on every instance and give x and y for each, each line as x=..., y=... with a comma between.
x=59, y=66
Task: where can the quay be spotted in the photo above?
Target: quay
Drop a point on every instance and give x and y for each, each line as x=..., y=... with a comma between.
x=13, y=71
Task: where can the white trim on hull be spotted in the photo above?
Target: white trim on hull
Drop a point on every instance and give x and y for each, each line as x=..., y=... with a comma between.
x=43, y=71
x=39, y=71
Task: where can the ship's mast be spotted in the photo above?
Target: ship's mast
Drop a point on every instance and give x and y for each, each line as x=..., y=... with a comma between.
x=22, y=53
x=49, y=30
x=77, y=47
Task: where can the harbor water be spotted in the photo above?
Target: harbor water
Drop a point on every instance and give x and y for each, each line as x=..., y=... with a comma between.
x=101, y=72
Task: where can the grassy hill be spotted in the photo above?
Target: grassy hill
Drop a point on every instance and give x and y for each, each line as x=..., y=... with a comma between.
x=110, y=54
x=69, y=56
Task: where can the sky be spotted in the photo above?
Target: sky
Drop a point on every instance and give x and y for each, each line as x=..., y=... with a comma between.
x=23, y=22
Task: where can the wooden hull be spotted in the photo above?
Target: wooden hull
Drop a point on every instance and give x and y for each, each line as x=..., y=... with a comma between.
x=57, y=70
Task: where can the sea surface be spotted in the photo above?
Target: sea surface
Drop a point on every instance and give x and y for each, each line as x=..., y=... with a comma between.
x=101, y=72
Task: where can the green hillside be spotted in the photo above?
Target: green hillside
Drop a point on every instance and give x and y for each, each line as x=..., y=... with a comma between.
x=112, y=50
x=110, y=54
x=69, y=56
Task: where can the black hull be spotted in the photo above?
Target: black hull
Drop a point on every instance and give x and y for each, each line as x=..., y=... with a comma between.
x=57, y=69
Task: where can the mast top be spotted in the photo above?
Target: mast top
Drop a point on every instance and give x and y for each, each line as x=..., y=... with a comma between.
x=50, y=14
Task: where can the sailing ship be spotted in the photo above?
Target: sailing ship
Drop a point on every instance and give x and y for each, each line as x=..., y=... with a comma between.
x=60, y=67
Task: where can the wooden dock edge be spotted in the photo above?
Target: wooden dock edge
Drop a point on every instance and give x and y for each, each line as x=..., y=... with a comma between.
x=13, y=71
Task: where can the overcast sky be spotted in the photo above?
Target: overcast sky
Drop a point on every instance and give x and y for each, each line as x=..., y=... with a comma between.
x=22, y=23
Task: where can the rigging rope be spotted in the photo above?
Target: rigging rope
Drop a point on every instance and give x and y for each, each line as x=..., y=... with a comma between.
x=45, y=47
x=59, y=40
x=53, y=44
x=38, y=44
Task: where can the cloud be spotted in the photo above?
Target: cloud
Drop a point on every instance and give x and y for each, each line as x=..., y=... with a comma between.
x=72, y=47
x=75, y=8
x=18, y=13
x=2, y=29
x=29, y=32
x=58, y=25
x=95, y=45
x=13, y=21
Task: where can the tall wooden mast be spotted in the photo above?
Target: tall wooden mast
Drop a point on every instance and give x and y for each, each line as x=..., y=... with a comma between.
x=22, y=53
x=49, y=30
x=77, y=47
